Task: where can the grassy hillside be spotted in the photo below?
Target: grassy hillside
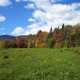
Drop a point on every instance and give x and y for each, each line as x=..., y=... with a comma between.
x=40, y=64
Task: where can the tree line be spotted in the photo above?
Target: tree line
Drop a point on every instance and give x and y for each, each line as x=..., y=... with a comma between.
x=66, y=36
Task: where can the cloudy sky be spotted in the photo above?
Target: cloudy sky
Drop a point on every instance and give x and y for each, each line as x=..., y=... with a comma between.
x=23, y=17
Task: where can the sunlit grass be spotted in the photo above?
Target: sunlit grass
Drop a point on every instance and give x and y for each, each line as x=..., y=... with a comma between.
x=40, y=64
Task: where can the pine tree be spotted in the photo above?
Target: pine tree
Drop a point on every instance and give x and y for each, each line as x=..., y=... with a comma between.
x=50, y=38
x=50, y=32
x=63, y=27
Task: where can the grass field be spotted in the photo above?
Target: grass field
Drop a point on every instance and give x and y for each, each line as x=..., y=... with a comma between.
x=40, y=64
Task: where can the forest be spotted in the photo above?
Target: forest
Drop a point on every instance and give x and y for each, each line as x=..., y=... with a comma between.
x=64, y=36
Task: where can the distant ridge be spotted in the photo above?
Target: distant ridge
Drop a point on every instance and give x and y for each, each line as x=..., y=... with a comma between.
x=10, y=37
x=7, y=37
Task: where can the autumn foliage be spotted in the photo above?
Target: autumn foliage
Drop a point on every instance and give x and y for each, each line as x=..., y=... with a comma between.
x=58, y=38
x=67, y=36
x=40, y=41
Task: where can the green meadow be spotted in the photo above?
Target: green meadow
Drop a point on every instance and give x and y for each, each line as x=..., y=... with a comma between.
x=40, y=64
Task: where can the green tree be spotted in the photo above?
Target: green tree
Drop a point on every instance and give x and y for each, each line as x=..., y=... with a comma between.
x=50, y=41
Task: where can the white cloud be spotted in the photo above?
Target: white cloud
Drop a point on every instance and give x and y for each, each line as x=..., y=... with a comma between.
x=30, y=6
x=30, y=29
x=35, y=27
x=21, y=0
x=18, y=31
x=5, y=2
x=18, y=0
x=31, y=20
x=47, y=14
x=2, y=18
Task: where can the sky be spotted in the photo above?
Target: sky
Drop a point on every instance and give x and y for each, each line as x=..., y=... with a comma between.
x=24, y=17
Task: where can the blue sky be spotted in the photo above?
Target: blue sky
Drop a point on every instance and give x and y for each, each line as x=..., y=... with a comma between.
x=23, y=17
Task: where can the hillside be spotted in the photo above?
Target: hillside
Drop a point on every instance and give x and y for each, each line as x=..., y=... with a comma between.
x=40, y=64
x=7, y=37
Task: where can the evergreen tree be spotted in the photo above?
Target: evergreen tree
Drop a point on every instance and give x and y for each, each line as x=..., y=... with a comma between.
x=63, y=27
x=50, y=38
